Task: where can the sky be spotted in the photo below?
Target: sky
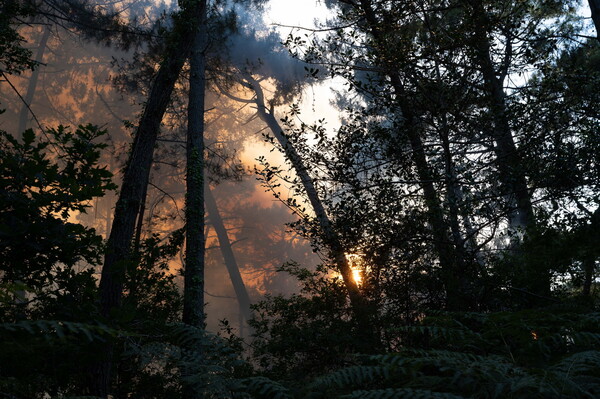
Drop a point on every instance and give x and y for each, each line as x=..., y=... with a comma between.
x=295, y=13
x=285, y=14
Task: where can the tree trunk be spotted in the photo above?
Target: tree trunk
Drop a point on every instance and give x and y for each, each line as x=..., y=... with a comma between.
x=137, y=171
x=193, y=290
x=589, y=263
x=510, y=165
x=193, y=305
x=230, y=262
x=509, y=162
x=330, y=237
x=592, y=252
x=336, y=251
x=140, y=224
x=589, y=266
x=454, y=273
x=39, y=57
x=595, y=9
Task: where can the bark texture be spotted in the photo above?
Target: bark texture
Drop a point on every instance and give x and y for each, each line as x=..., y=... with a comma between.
x=193, y=289
x=193, y=292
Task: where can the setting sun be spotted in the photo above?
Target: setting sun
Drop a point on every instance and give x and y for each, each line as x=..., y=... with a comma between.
x=357, y=275
x=355, y=264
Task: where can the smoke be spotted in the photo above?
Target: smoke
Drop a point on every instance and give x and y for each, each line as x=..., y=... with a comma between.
x=257, y=48
x=75, y=86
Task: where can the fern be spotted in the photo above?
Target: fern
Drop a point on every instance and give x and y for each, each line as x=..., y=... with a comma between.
x=543, y=353
x=76, y=397
x=404, y=393
x=178, y=352
x=353, y=376
x=444, y=333
x=580, y=363
x=60, y=329
x=445, y=355
x=264, y=388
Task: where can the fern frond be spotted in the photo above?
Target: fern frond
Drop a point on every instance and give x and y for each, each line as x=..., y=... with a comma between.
x=353, y=376
x=401, y=393
x=447, y=334
x=60, y=329
x=579, y=363
x=466, y=357
x=76, y=397
x=450, y=363
x=264, y=388
x=584, y=338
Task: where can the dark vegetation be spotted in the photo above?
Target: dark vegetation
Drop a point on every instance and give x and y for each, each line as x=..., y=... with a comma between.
x=462, y=187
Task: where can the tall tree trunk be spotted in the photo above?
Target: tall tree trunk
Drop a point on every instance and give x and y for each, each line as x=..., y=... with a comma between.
x=332, y=241
x=595, y=9
x=454, y=273
x=589, y=263
x=331, y=238
x=466, y=248
x=591, y=253
x=137, y=171
x=509, y=162
x=589, y=266
x=193, y=290
x=193, y=302
x=510, y=165
x=227, y=251
x=33, y=80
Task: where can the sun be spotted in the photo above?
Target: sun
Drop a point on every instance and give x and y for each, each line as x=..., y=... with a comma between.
x=355, y=261
x=357, y=275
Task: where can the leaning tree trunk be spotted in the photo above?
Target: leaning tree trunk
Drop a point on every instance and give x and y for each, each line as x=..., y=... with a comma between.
x=331, y=239
x=508, y=161
x=230, y=262
x=137, y=171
